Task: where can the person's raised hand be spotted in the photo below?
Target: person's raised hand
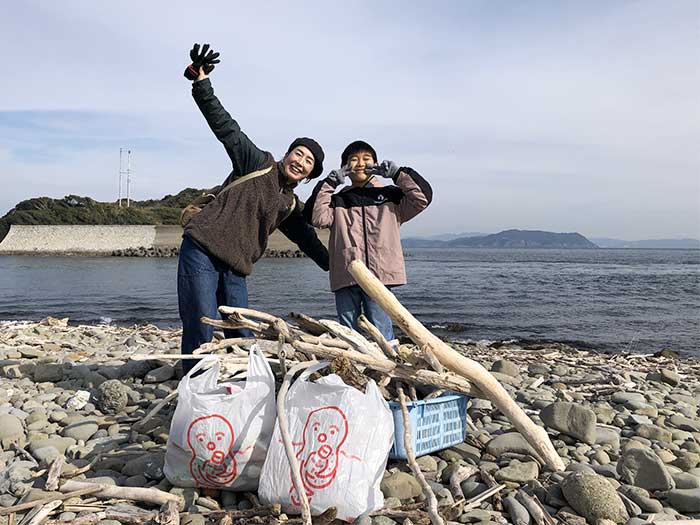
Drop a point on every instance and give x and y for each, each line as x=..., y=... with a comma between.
x=337, y=177
x=203, y=62
x=387, y=169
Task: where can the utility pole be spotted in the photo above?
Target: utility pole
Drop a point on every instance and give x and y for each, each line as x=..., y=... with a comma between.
x=121, y=150
x=125, y=172
x=128, y=179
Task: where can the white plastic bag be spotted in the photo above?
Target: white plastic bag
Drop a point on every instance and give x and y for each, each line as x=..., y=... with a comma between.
x=342, y=439
x=220, y=433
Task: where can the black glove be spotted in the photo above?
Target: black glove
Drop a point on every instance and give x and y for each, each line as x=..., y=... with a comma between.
x=206, y=58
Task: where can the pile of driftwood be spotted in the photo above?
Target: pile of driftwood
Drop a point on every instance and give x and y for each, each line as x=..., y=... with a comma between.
x=426, y=369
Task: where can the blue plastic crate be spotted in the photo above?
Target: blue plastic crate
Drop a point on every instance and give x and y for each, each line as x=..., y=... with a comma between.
x=435, y=424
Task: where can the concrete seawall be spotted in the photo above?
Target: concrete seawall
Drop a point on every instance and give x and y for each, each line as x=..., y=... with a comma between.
x=103, y=240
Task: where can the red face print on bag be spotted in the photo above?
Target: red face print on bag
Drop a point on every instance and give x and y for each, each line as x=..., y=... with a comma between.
x=210, y=439
x=325, y=432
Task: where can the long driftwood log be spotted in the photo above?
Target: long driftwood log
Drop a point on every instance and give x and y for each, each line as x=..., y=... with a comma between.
x=287, y=440
x=468, y=368
x=147, y=495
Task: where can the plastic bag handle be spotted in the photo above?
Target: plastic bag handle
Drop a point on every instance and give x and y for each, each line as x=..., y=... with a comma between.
x=205, y=377
x=258, y=368
x=314, y=368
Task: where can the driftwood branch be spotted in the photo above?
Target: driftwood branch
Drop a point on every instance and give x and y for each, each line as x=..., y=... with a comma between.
x=381, y=364
x=167, y=399
x=31, y=504
x=44, y=512
x=55, y=473
x=467, y=368
x=260, y=511
x=276, y=323
x=532, y=507
x=457, y=477
x=168, y=515
x=493, y=485
x=235, y=342
x=308, y=324
x=147, y=495
x=143, y=517
x=287, y=440
x=447, y=381
x=355, y=339
x=411, y=458
x=476, y=500
x=377, y=336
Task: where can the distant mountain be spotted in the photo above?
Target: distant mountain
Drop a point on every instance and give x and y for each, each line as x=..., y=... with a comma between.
x=420, y=242
x=451, y=236
x=686, y=244
x=507, y=239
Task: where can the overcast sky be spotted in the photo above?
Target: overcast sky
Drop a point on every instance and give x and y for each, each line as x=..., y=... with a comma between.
x=553, y=115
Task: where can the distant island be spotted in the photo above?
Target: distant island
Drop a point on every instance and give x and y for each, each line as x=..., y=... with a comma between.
x=507, y=239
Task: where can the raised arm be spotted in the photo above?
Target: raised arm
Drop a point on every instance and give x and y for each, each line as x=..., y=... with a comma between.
x=300, y=232
x=245, y=156
x=417, y=193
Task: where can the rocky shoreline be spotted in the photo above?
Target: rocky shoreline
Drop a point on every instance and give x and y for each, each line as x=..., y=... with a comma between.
x=627, y=427
x=173, y=251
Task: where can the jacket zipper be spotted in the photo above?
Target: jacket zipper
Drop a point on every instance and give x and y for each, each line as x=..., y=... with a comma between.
x=364, y=232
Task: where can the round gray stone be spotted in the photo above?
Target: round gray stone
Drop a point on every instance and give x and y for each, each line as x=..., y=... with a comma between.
x=503, y=366
x=11, y=431
x=641, y=467
x=684, y=500
x=571, y=419
x=82, y=430
x=593, y=497
x=400, y=485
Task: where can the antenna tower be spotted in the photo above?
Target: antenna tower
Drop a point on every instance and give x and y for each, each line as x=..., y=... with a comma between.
x=124, y=152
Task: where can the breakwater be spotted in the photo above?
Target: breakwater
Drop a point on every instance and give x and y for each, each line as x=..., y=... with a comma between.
x=120, y=240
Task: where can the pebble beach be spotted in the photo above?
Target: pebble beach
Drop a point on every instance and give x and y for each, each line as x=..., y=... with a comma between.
x=627, y=427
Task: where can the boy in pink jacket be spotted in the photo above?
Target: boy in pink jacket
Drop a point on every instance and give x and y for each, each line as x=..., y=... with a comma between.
x=364, y=219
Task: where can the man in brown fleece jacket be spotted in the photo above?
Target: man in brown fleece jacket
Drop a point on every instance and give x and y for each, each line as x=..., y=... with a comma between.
x=223, y=241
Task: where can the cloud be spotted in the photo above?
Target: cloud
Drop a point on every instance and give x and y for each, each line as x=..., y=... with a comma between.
x=559, y=116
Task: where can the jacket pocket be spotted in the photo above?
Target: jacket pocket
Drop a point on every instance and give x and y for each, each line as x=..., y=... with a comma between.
x=389, y=263
x=349, y=255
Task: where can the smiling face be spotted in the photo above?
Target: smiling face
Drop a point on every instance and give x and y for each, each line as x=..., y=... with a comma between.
x=298, y=164
x=210, y=438
x=358, y=161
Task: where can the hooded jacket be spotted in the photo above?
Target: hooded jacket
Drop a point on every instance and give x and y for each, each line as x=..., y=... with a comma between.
x=364, y=223
x=236, y=225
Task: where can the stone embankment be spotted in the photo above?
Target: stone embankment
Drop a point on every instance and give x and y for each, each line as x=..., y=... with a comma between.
x=626, y=426
x=121, y=241
x=75, y=240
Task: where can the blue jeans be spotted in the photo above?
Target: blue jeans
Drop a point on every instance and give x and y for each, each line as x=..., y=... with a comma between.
x=351, y=301
x=203, y=284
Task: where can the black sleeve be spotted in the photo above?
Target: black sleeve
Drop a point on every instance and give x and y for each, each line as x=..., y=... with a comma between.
x=308, y=208
x=245, y=156
x=300, y=232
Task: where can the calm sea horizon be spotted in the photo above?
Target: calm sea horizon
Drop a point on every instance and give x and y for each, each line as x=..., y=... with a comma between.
x=607, y=299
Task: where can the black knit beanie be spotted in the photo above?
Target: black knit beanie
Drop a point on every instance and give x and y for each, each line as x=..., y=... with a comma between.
x=315, y=149
x=354, y=147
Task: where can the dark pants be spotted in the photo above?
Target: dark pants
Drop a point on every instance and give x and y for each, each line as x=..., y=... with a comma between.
x=203, y=284
x=351, y=301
